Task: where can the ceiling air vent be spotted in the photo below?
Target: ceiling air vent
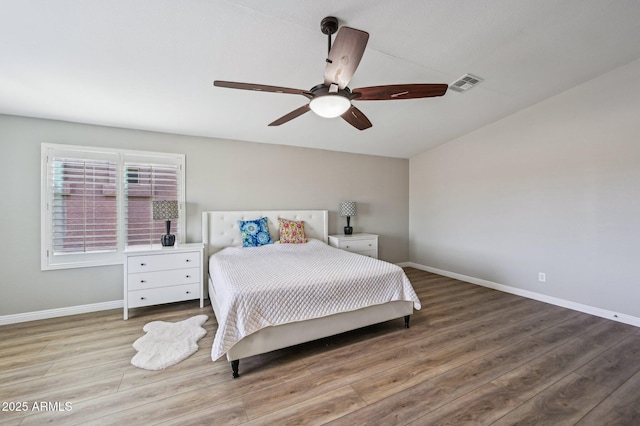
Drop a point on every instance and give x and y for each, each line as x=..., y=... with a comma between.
x=465, y=83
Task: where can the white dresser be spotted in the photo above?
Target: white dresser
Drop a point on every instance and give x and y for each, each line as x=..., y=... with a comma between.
x=365, y=244
x=162, y=275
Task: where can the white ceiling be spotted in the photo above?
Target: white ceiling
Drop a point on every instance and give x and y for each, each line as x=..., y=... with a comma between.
x=150, y=64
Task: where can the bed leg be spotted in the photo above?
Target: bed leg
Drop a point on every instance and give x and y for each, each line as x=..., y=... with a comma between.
x=234, y=367
x=406, y=321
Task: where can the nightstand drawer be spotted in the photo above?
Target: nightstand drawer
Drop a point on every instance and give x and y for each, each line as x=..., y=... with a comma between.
x=155, y=296
x=163, y=278
x=370, y=253
x=163, y=262
x=357, y=245
x=365, y=244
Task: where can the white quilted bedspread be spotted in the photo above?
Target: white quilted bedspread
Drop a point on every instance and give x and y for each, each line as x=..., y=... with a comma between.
x=276, y=284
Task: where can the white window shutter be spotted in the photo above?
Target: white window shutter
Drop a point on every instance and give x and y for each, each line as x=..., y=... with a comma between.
x=97, y=201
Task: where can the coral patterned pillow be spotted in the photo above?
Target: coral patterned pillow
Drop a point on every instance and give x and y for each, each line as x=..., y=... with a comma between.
x=291, y=231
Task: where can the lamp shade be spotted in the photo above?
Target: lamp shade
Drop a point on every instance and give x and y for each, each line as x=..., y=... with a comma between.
x=165, y=210
x=348, y=208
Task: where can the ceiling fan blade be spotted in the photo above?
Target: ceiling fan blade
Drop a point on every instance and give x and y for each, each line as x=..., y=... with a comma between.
x=356, y=118
x=293, y=114
x=260, y=88
x=398, y=91
x=345, y=55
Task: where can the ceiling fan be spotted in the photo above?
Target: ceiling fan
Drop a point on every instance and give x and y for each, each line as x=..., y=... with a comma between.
x=332, y=98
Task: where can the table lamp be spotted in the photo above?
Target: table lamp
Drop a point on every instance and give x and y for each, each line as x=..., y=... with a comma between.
x=166, y=210
x=348, y=209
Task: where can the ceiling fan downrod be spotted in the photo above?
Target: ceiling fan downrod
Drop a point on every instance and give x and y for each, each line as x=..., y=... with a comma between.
x=329, y=26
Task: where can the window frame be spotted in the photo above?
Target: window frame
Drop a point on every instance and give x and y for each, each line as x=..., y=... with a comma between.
x=115, y=257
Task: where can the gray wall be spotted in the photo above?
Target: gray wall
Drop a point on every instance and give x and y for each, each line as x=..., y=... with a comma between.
x=221, y=175
x=554, y=188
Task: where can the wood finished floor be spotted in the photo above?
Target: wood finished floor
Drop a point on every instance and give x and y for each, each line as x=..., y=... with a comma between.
x=471, y=356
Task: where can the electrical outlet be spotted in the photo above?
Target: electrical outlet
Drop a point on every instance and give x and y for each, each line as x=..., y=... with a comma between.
x=542, y=277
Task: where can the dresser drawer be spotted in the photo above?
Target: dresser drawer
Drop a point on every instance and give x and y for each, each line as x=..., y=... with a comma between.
x=163, y=278
x=155, y=275
x=163, y=262
x=154, y=296
x=357, y=245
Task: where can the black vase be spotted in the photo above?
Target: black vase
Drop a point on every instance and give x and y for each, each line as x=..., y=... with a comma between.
x=348, y=230
x=169, y=239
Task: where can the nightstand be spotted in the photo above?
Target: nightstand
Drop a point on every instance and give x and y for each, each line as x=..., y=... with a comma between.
x=155, y=275
x=365, y=244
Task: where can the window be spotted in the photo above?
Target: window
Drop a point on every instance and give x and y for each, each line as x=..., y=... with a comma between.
x=96, y=202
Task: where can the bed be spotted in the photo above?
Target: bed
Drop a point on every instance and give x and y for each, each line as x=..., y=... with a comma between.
x=277, y=325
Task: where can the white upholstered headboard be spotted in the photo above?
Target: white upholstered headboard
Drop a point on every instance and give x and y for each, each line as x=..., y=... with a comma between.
x=220, y=228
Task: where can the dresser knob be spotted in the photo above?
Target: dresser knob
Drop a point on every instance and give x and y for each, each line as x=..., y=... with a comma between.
x=188, y=260
x=143, y=264
x=188, y=292
x=142, y=298
x=188, y=276
x=347, y=246
x=142, y=281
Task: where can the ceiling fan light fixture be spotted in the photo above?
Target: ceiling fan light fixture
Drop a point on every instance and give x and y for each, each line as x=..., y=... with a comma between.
x=332, y=97
x=330, y=105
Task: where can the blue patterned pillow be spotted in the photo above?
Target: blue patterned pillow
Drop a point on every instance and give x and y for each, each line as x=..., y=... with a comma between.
x=255, y=232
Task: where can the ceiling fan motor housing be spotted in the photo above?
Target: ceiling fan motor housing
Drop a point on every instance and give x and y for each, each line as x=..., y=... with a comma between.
x=321, y=90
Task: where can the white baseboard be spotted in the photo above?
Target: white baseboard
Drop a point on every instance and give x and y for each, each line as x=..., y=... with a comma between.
x=60, y=312
x=118, y=304
x=592, y=310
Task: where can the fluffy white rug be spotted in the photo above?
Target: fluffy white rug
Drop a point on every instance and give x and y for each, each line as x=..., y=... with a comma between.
x=168, y=343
